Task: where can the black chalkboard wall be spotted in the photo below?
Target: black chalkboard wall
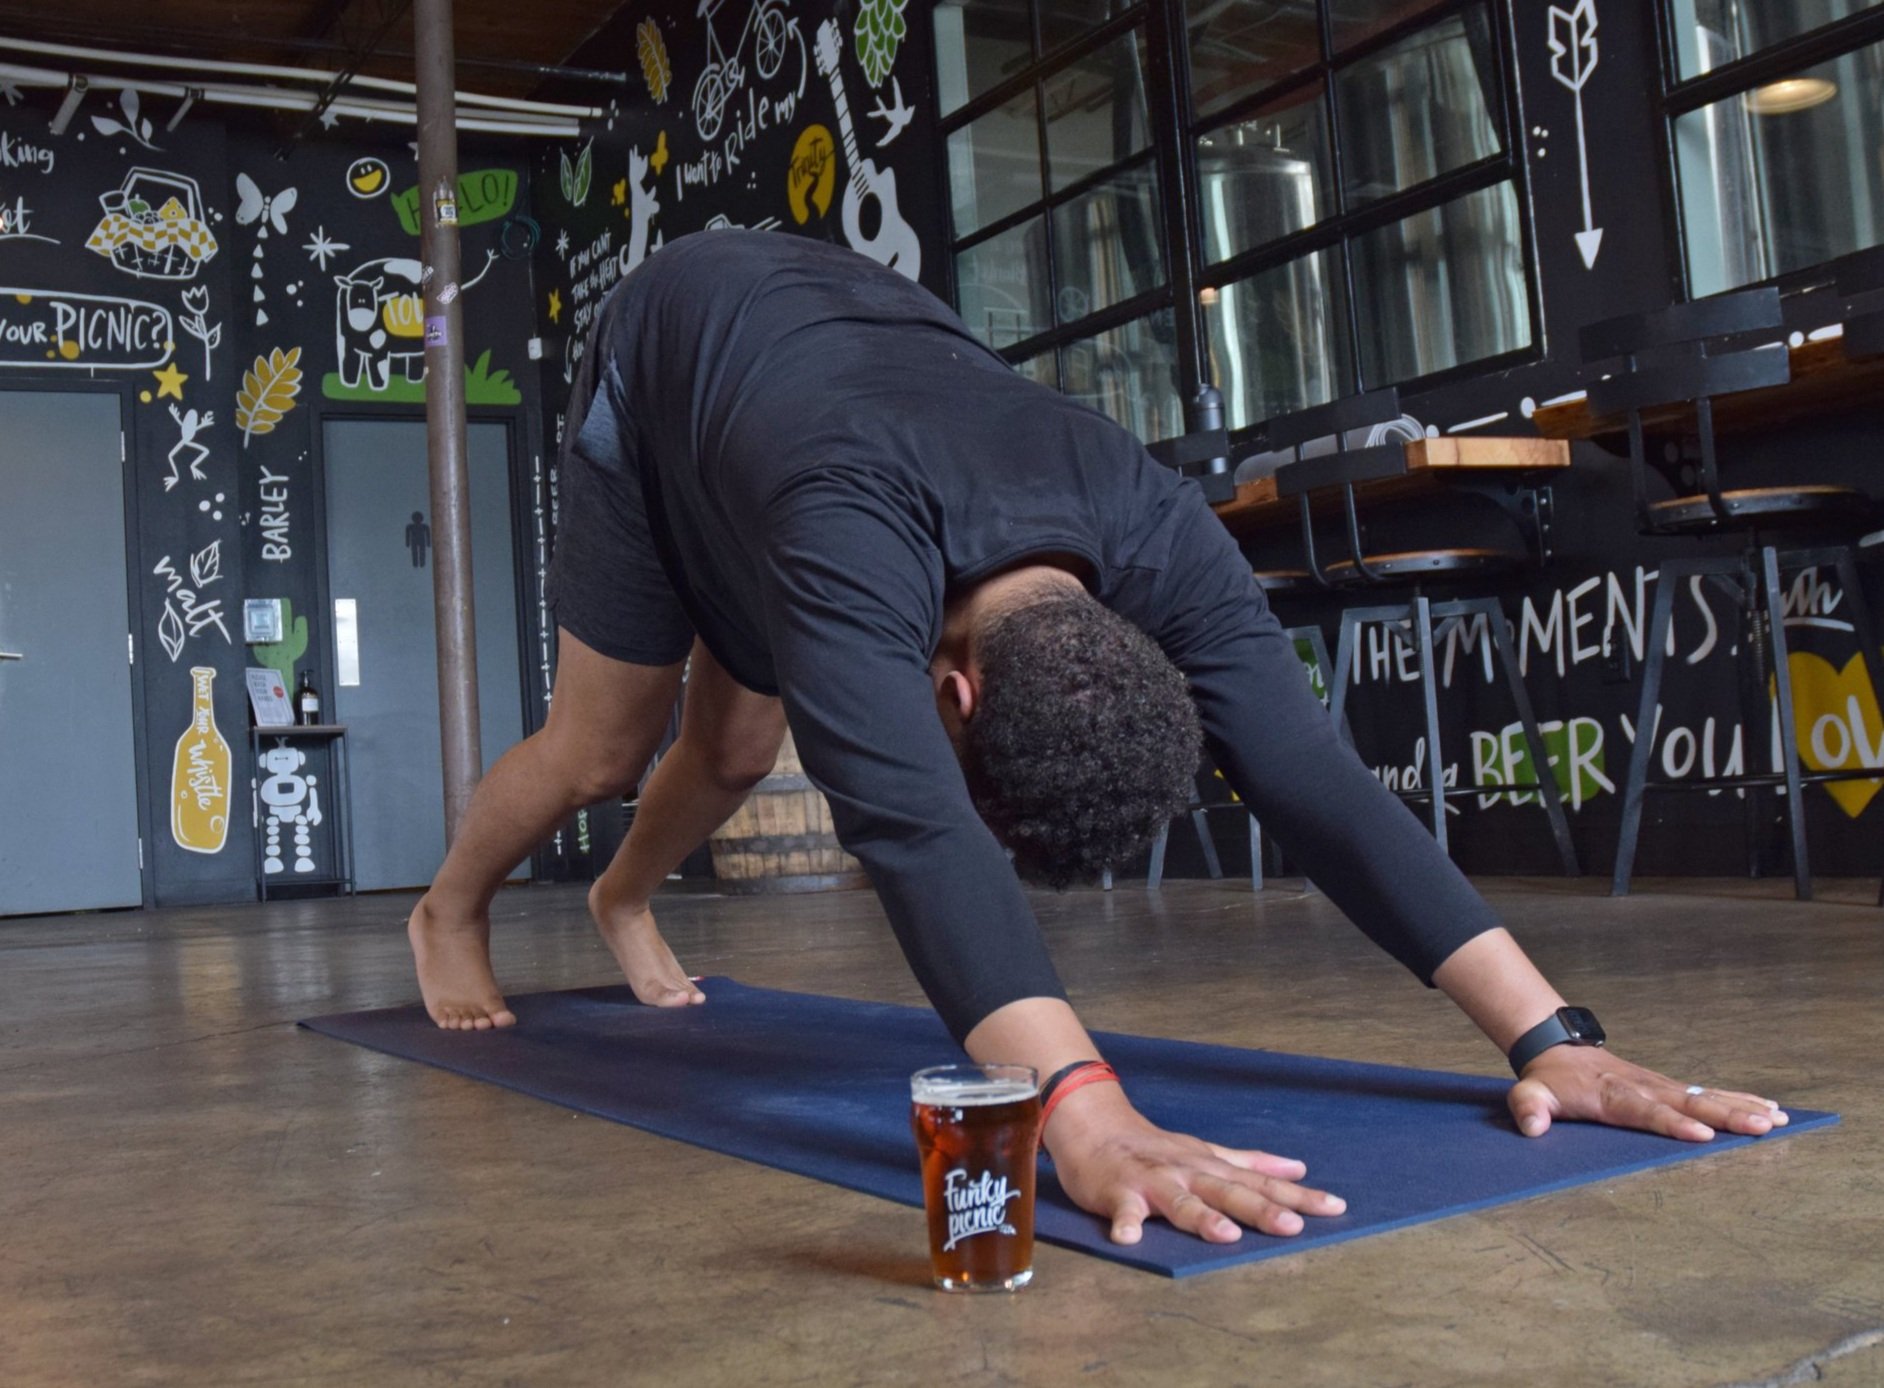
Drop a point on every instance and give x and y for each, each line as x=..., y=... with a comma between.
x=237, y=256
x=764, y=147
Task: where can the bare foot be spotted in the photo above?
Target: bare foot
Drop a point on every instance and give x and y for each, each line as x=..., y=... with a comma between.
x=455, y=978
x=648, y=964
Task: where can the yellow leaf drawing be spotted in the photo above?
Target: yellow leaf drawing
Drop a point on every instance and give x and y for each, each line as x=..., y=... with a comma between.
x=654, y=65
x=268, y=391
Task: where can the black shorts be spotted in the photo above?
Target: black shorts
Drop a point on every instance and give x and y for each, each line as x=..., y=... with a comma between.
x=606, y=584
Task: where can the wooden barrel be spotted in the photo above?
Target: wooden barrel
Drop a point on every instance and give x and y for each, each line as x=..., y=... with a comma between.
x=781, y=839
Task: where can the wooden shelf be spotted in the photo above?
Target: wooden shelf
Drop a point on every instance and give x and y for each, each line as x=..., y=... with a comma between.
x=1823, y=379
x=1430, y=463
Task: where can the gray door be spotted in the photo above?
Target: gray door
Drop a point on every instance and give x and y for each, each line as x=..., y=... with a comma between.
x=68, y=757
x=379, y=559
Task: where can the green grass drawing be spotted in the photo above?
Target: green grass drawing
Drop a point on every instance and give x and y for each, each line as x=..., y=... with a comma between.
x=482, y=386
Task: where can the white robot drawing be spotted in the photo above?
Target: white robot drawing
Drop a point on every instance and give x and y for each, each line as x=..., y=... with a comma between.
x=287, y=797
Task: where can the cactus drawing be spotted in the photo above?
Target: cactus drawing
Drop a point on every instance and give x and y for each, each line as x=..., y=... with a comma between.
x=280, y=656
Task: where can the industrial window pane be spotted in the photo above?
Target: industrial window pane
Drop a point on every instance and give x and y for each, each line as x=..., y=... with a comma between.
x=1712, y=33
x=1278, y=340
x=1784, y=176
x=994, y=164
x=1241, y=46
x=1106, y=246
x=1001, y=285
x=1044, y=368
x=1356, y=21
x=1419, y=108
x=1441, y=288
x=1062, y=21
x=1129, y=373
x=1264, y=177
x=978, y=44
x=1096, y=112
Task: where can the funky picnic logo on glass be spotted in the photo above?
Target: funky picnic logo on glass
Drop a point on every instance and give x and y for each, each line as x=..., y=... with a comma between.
x=976, y=1206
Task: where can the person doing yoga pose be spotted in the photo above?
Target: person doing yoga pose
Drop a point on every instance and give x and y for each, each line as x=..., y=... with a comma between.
x=994, y=625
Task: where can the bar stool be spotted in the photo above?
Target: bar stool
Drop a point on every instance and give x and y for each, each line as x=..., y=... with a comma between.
x=1693, y=362
x=1199, y=808
x=1420, y=620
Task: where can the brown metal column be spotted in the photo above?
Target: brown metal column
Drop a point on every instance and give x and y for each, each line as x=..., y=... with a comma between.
x=445, y=450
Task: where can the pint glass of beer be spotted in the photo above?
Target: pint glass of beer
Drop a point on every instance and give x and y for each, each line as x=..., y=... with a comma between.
x=975, y=1127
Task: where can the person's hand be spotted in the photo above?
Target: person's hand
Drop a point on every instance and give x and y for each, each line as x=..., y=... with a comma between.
x=1590, y=1084
x=1116, y=1164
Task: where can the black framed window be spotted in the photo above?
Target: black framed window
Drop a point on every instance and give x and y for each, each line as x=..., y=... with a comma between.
x=1358, y=192
x=1293, y=200
x=1775, y=119
x=1056, y=187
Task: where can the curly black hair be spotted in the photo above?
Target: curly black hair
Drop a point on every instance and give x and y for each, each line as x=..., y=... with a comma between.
x=1084, y=742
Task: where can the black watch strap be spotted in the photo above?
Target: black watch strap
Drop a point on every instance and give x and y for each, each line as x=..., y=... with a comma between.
x=1567, y=1026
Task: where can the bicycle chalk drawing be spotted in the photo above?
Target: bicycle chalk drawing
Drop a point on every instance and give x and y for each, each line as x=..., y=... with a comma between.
x=768, y=26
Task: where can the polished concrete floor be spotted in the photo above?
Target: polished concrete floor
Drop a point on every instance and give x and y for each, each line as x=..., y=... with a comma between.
x=194, y=1192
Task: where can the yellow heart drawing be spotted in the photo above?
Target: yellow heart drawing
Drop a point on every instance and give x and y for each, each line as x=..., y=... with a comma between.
x=1835, y=715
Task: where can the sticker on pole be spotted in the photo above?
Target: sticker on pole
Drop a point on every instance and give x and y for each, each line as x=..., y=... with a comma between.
x=435, y=333
x=445, y=206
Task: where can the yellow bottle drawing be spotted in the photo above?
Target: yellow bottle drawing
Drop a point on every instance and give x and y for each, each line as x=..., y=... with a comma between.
x=199, y=782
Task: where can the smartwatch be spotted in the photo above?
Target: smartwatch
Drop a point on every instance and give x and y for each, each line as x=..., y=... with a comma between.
x=1567, y=1026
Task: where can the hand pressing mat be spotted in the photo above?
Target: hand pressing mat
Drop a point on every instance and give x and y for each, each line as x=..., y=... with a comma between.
x=819, y=1086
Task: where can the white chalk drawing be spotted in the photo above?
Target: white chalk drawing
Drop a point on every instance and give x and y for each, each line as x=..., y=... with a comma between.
x=16, y=223
x=186, y=451
x=287, y=798
x=154, y=226
x=1573, y=58
x=11, y=92
x=212, y=507
x=277, y=547
x=562, y=244
x=656, y=67
x=186, y=612
x=879, y=34
x=598, y=265
x=725, y=73
x=322, y=247
x=262, y=210
x=895, y=243
x=719, y=221
x=896, y=114
x=194, y=320
x=16, y=153
x=134, y=124
x=44, y=328
x=369, y=177
x=379, y=320
x=577, y=177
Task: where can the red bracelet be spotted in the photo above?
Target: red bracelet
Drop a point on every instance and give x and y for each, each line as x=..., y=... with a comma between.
x=1093, y=1072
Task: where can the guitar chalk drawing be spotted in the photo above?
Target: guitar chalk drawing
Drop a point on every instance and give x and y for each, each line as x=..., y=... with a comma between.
x=1573, y=57
x=894, y=243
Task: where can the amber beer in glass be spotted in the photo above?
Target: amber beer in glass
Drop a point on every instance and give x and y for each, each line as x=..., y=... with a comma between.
x=976, y=1128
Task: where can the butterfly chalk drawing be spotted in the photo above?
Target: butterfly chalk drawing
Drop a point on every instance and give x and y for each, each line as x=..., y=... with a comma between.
x=262, y=210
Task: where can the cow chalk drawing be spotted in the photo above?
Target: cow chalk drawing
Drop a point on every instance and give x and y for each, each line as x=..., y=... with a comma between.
x=379, y=320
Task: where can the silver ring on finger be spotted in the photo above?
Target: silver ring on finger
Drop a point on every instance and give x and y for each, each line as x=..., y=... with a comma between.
x=1695, y=1089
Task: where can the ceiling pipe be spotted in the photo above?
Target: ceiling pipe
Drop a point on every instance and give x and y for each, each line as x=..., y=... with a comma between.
x=293, y=74
x=279, y=99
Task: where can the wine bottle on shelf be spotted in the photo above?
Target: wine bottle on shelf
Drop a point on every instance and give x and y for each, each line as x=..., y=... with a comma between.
x=307, y=702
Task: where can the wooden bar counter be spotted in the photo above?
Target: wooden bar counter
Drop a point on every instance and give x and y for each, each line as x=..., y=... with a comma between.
x=1431, y=463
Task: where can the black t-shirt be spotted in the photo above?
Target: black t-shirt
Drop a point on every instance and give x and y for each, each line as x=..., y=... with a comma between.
x=826, y=455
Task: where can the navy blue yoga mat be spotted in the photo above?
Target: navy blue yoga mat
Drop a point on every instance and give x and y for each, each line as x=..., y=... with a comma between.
x=819, y=1086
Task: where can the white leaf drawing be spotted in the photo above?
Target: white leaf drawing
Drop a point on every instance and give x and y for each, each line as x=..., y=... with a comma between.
x=206, y=564
x=170, y=631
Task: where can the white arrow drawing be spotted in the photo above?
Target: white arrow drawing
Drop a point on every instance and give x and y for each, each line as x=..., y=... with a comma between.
x=1573, y=58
